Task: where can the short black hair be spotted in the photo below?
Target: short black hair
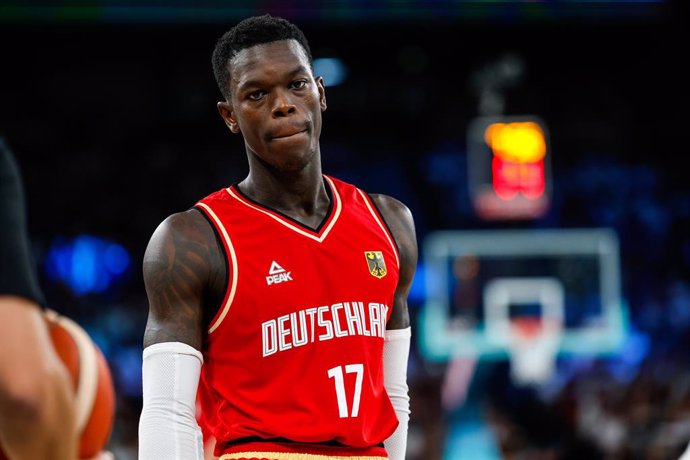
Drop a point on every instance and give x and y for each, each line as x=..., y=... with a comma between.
x=249, y=32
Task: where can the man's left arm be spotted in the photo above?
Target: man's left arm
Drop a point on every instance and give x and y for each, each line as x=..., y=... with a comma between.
x=396, y=347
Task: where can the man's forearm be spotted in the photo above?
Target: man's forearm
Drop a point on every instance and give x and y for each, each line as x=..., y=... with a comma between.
x=167, y=428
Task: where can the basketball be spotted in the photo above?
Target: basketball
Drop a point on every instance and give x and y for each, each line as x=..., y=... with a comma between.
x=93, y=384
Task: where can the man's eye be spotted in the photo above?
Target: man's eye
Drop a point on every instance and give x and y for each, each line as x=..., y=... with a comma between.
x=256, y=95
x=299, y=84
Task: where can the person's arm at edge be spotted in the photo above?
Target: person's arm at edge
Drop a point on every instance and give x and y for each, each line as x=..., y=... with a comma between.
x=177, y=268
x=38, y=395
x=398, y=330
x=35, y=386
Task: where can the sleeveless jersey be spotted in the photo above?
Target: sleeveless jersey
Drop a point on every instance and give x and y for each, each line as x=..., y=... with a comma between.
x=295, y=351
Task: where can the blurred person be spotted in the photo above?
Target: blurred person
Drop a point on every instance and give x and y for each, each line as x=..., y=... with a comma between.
x=279, y=303
x=37, y=415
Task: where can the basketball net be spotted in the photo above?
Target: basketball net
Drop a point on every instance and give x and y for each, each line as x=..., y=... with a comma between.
x=532, y=346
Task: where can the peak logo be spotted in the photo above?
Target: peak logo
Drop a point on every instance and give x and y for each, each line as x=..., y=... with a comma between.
x=277, y=274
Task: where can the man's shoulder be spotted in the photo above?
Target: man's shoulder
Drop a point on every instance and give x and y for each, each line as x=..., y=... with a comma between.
x=390, y=207
x=397, y=216
x=389, y=202
x=188, y=225
x=181, y=239
x=183, y=219
x=194, y=216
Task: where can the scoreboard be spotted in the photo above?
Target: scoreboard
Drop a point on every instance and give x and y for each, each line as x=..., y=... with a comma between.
x=509, y=167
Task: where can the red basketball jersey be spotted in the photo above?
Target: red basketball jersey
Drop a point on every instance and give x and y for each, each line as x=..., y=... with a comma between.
x=296, y=349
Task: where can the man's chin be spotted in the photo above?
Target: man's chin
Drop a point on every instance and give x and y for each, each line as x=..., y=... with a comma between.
x=293, y=166
x=286, y=162
x=297, y=164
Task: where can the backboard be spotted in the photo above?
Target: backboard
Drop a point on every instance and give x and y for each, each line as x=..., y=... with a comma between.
x=479, y=283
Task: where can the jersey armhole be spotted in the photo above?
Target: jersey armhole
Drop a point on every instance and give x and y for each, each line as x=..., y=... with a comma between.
x=387, y=229
x=211, y=312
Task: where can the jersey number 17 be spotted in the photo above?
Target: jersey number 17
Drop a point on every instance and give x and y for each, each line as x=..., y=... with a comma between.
x=336, y=373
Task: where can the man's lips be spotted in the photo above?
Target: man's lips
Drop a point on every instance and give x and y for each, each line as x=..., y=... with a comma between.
x=288, y=131
x=287, y=134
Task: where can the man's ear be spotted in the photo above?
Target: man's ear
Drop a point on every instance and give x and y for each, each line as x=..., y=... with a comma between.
x=228, y=116
x=322, y=93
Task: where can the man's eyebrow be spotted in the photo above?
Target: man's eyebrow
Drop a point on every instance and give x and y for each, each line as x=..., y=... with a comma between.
x=247, y=84
x=299, y=69
x=250, y=83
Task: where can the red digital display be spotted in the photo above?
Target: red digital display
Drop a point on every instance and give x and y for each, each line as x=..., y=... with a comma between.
x=509, y=168
x=511, y=178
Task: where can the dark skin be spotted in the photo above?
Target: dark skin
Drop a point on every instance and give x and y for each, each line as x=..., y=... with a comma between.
x=276, y=104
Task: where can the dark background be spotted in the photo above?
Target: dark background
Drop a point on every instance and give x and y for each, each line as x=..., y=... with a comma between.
x=111, y=114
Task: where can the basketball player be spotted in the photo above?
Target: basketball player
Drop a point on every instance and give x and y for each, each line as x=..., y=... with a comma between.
x=37, y=416
x=282, y=298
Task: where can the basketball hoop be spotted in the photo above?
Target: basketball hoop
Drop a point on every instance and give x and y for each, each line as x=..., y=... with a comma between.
x=533, y=345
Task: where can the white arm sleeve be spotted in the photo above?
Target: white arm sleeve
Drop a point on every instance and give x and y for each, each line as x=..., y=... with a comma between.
x=396, y=350
x=167, y=428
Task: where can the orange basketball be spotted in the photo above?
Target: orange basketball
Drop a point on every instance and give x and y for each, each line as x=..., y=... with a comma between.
x=93, y=384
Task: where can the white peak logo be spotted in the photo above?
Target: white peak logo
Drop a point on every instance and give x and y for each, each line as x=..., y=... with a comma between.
x=277, y=274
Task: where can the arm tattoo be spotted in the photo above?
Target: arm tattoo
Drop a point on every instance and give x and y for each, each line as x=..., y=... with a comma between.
x=177, y=267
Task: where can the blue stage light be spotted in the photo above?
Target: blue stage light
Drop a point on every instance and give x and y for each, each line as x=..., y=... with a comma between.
x=86, y=263
x=333, y=70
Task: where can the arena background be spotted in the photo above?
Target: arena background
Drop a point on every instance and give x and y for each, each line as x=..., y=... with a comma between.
x=110, y=109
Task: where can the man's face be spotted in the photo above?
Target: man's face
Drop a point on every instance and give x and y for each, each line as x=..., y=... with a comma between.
x=276, y=104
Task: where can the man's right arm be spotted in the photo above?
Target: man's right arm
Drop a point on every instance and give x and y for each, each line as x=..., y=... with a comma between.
x=177, y=270
x=180, y=263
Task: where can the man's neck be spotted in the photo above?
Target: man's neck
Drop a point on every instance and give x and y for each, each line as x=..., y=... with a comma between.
x=300, y=195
